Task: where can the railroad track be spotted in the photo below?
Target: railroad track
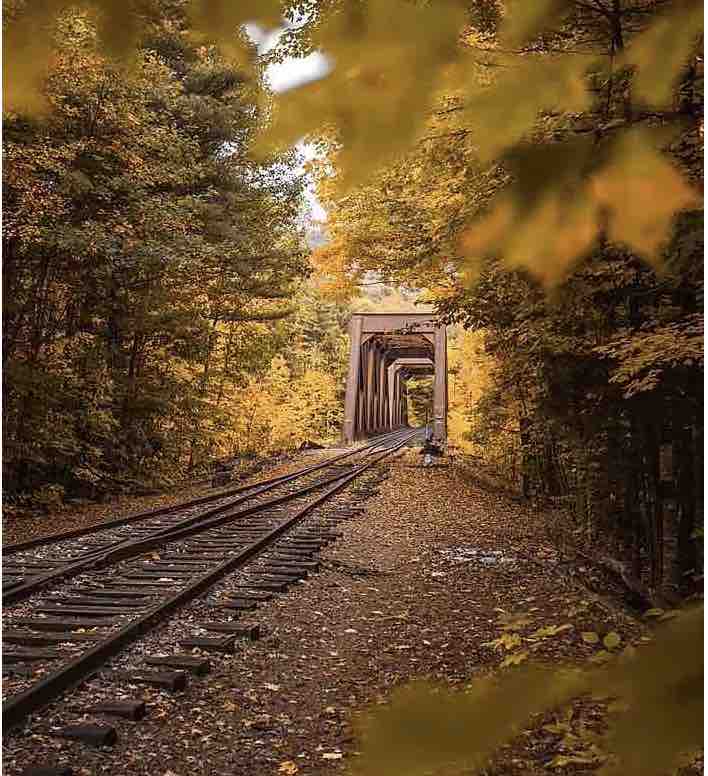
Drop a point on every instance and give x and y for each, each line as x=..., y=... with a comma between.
x=30, y=566
x=75, y=618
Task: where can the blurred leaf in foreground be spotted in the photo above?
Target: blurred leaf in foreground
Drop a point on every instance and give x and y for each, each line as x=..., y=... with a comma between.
x=425, y=728
x=642, y=191
x=661, y=51
x=386, y=59
x=220, y=22
x=545, y=224
x=25, y=55
x=663, y=687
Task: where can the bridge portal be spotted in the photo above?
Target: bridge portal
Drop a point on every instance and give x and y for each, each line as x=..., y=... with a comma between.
x=387, y=349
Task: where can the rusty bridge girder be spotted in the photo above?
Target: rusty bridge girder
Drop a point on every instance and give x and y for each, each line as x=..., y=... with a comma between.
x=386, y=349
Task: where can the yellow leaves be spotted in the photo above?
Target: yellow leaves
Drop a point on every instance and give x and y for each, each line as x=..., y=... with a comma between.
x=288, y=767
x=220, y=21
x=561, y=760
x=513, y=622
x=661, y=51
x=601, y=656
x=514, y=659
x=590, y=637
x=545, y=226
x=612, y=640
x=641, y=191
x=386, y=57
x=548, y=631
x=505, y=111
x=655, y=612
x=505, y=641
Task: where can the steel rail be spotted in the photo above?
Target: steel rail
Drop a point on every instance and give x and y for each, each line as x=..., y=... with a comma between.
x=29, y=544
x=18, y=707
x=121, y=550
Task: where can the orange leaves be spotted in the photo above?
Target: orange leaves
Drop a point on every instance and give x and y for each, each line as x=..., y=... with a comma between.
x=334, y=277
x=547, y=227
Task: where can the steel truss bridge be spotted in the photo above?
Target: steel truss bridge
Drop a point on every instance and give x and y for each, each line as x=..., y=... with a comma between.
x=386, y=350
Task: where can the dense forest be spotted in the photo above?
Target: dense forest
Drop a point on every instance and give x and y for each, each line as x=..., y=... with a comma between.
x=156, y=314
x=530, y=173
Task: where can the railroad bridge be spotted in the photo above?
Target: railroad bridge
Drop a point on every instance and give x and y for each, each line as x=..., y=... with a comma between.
x=386, y=350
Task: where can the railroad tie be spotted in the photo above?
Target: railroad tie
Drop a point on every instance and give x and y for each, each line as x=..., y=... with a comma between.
x=59, y=624
x=96, y=735
x=117, y=603
x=247, y=591
x=38, y=640
x=296, y=561
x=298, y=572
x=79, y=611
x=242, y=630
x=270, y=585
x=17, y=670
x=219, y=644
x=235, y=604
x=121, y=592
x=49, y=770
x=196, y=665
x=174, y=681
x=132, y=710
x=28, y=655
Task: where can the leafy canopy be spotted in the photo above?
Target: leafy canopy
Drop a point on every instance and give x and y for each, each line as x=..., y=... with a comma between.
x=393, y=59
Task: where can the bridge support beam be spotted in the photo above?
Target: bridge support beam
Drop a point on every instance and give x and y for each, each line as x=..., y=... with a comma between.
x=385, y=350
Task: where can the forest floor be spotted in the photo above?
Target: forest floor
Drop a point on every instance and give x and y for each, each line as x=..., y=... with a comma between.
x=415, y=589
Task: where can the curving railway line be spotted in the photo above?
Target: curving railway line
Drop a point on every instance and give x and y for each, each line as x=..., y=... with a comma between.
x=76, y=604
